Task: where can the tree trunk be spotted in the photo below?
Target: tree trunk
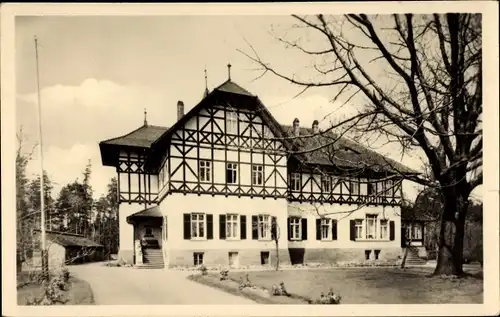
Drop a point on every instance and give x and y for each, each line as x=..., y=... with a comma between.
x=451, y=235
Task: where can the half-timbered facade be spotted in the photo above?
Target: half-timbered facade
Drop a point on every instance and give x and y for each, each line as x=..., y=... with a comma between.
x=227, y=180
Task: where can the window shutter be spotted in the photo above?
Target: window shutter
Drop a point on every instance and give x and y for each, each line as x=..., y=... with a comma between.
x=318, y=229
x=210, y=227
x=187, y=226
x=289, y=226
x=334, y=229
x=352, y=224
x=222, y=227
x=255, y=231
x=273, y=228
x=392, y=230
x=304, y=228
x=243, y=227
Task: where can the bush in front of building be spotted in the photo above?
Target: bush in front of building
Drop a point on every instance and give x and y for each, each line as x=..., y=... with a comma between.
x=329, y=299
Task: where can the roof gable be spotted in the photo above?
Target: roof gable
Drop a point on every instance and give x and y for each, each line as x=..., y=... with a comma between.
x=143, y=136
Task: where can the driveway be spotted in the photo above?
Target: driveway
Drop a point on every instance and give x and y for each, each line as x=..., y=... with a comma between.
x=130, y=286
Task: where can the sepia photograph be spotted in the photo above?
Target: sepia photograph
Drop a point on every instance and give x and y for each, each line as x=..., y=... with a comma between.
x=300, y=158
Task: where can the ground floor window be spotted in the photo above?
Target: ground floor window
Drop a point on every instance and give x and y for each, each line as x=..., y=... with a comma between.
x=325, y=228
x=233, y=259
x=198, y=258
x=264, y=227
x=295, y=228
x=359, y=228
x=264, y=258
x=384, y=229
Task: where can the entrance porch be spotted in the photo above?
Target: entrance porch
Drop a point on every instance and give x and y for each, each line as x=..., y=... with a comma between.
x=148, y=227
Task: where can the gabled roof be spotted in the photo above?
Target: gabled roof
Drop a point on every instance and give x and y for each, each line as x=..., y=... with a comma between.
x=148, y=212
x=70, y=239
x=144, y=136
x=327, y=148
x=234, y=88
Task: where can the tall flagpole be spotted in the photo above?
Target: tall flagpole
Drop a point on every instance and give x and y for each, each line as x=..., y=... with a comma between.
x=40, y=149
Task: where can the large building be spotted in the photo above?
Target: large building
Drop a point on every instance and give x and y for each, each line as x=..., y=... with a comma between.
x=227, y=181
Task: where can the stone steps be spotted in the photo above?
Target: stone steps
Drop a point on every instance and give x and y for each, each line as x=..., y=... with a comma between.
x=153, y=259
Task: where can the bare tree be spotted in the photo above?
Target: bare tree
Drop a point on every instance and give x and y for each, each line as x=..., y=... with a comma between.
x=429, y=99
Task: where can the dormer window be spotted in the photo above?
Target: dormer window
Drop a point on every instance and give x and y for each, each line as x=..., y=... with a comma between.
x=232, y=123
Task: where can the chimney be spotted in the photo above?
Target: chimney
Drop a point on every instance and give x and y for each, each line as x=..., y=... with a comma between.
x=296, y=127
x=180, y=110
x=315, y=126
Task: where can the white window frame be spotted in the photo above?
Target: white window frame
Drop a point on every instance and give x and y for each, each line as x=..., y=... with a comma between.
x=296, y=181
x=257, y=171
x=417, y=228
x=264, y=227
x=232, y=221
x=373, y=190
x=326, y=227
x=232, y=123
x=197, y=256
x=206, y=166
x=371, y=218
x=200, y=221
x=233, y=167
x=326, y=180
x=384, y=229
x=296, y=228
x=358, y=223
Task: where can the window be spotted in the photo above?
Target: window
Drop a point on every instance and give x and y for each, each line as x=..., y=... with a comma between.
x=390, y=188
x=370, y=189
x=295, y=228
x=204, y=171
x=359, y=228
x=264, y=257
x=384, y=235
x=232, y=123
x=295, y=181
x=233, y=259
x=417, y=231
x=354, y=188
x=232, y=226
x=197, y=225
x=232, y=173
x=325, y=228
x=326, y=184
x=257, y=174
x=371, y=226
x=264, y=227
x=198, y=258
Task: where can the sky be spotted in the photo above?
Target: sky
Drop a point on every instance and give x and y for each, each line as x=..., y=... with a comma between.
x=98, y=74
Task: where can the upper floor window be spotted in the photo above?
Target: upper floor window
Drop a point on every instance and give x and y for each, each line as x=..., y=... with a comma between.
x=232, y=173
x=370, y=189
x=257, y=174
x=295, y=183
x=354, y=188
x=204, y=170
x=326, y=183
x=197, y=226
x=371, y=226
x=389, y=188
x=232, y=123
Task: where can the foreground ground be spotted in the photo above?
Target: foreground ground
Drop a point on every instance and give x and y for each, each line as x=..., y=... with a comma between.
x=375, y=285
x=130, y=286
x=79, y=292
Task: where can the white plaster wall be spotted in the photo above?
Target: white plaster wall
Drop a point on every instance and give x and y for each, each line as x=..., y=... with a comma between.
x=343, y=217
x=126, y=229
x=175, y=205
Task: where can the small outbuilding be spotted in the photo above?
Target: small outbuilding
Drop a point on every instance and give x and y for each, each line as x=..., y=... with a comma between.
x=68, y=248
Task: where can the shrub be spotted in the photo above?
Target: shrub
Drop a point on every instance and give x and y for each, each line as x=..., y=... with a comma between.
x=203, y=269
x=244, y=282
x=52, y=293
x=280, y=290
x=65, y=274
x=329, y=299
x=224, y=274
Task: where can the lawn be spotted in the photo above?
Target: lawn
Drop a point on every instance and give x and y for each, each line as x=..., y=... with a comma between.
x=79, y=292
x=374, y=285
